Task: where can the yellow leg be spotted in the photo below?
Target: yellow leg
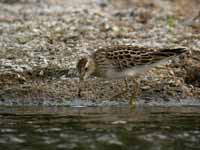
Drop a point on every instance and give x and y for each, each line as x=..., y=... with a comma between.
x=123, y=92
x=132, y=100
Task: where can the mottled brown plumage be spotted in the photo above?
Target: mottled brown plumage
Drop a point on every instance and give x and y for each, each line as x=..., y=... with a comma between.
x=123, y=57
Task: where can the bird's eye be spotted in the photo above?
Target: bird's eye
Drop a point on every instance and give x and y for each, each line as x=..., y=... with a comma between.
x=86, y=69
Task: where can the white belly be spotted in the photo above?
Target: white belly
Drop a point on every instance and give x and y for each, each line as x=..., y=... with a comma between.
x=130, y=72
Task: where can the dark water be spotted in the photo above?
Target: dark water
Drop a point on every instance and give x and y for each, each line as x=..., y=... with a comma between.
x=99, y=128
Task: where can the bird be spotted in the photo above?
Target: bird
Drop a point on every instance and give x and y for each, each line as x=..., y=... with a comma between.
x=122, y=61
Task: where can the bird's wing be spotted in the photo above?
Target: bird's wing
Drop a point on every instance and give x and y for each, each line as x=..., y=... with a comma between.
x=130, y=56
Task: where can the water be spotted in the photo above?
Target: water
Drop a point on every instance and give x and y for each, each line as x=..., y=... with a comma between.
x=99, y=128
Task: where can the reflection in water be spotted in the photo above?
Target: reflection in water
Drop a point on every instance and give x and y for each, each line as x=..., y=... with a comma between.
x=100, y=128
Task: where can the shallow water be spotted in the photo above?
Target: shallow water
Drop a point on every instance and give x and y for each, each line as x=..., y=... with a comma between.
x=100, y=128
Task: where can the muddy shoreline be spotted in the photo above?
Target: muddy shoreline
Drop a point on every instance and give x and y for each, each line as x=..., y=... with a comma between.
x=41, y=41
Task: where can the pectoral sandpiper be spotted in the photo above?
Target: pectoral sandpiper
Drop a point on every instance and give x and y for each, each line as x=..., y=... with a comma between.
x=124, y=61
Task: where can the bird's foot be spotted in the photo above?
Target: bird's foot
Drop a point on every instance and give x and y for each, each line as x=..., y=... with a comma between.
x=132, y=102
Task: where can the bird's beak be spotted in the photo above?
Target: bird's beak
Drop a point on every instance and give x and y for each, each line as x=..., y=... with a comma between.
x=81, y=78
x=79, y=87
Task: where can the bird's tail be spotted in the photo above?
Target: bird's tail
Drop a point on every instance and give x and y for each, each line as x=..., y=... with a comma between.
x=172, y=52
x=164, y=53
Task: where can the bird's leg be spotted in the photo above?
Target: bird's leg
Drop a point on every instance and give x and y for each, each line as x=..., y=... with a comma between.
x=123, y=92
x=134, y=94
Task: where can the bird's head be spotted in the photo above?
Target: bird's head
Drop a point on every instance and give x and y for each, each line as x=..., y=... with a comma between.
x=85, y=67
